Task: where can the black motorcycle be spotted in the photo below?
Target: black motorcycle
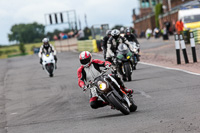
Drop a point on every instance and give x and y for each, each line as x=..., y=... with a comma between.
x=109, y=90
x=125, y=62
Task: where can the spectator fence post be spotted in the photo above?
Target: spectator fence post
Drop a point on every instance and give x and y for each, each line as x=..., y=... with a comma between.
x=183, y=48
x=177, y=46
x=192, y=42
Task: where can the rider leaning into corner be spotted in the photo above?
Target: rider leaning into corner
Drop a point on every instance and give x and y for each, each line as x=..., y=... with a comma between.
x=113, y=44
x=105, y=40
x=89, y=70
x=47, y=47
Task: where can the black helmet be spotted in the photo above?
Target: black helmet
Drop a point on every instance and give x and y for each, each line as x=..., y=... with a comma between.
x=108, y=32
x=128, y=31
x=115, y=33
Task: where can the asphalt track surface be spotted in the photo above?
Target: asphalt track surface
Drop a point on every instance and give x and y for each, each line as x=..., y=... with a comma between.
x=31, y=102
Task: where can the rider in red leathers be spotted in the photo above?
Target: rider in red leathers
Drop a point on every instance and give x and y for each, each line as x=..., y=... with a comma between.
x=88, y=71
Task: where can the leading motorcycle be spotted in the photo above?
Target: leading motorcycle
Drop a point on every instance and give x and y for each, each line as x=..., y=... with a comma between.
x=109, y=90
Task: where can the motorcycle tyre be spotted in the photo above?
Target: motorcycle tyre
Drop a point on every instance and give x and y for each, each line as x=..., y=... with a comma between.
x=128, y=71
x=119, y=105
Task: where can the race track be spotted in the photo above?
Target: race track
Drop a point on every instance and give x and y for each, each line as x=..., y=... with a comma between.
x=31, y=102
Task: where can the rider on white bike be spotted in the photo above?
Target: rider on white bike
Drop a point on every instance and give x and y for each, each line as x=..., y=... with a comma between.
x=47, y=47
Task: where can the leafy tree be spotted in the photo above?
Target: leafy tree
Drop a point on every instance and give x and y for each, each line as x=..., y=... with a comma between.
x=27, y=33
x=1, y=52
x=87, y=32
x=22, y=48
x=117, y=27
x=158, y=11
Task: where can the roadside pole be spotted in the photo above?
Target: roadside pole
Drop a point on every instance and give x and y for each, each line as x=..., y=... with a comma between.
x=192, y=42
x=177, y=46
x=183, y=48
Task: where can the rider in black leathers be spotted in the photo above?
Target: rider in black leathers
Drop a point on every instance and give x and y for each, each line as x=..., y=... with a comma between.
x=104, y=44
x=130, y=36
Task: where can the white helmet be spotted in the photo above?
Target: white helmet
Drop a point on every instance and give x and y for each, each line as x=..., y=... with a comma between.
x=122, y=29
x=115, y=33
x=45, y=42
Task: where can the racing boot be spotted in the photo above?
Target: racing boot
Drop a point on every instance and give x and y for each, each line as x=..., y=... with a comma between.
x=129, y=91
x=55, y=58
x=55, y=65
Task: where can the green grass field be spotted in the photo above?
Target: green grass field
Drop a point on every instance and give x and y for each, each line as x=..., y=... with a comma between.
x=9, y=51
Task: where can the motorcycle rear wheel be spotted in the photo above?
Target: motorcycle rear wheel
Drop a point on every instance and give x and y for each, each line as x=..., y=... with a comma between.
x=133, y=106
x=119, y=105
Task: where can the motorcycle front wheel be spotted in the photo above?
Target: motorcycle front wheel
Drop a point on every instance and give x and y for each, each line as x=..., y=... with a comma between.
x=50, y=68
x=127, y=69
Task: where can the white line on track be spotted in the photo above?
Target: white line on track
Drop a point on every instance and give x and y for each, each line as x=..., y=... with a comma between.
x=169, y=68
x=144, y=94
x=14, y=113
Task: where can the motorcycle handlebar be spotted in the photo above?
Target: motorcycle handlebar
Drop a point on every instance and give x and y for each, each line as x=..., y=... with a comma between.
x=91, y=83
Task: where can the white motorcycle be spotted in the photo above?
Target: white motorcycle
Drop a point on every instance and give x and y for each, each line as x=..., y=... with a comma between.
x=136, y=56
x=48, y=63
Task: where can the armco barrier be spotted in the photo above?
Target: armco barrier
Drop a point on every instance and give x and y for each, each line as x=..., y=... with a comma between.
x=66, y=45
x=87, y=45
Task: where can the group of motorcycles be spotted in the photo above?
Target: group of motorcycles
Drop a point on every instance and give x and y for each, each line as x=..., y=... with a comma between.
x=126, y=61
x=105, y=85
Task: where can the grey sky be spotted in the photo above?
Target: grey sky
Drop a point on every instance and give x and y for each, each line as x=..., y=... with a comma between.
x=98, y=11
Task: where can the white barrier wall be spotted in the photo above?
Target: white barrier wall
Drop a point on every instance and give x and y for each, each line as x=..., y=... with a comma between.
x=66, y=45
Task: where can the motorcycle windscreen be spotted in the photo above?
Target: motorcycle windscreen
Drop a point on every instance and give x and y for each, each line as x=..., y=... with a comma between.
x=123, y=49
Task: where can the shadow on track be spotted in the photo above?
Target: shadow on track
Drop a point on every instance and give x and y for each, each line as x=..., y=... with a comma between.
x=119, y=114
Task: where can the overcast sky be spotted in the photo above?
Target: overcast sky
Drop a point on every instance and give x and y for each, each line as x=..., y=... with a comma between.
x=97, y=11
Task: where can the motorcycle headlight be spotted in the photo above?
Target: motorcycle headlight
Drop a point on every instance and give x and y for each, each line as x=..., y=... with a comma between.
x=102, y=85
x=128, y=57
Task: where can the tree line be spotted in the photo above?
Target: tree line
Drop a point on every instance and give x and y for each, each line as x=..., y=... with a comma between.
x=31, y=33
x=34, y=32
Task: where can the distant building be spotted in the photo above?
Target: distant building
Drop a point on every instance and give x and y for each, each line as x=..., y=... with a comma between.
x=146, y=18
